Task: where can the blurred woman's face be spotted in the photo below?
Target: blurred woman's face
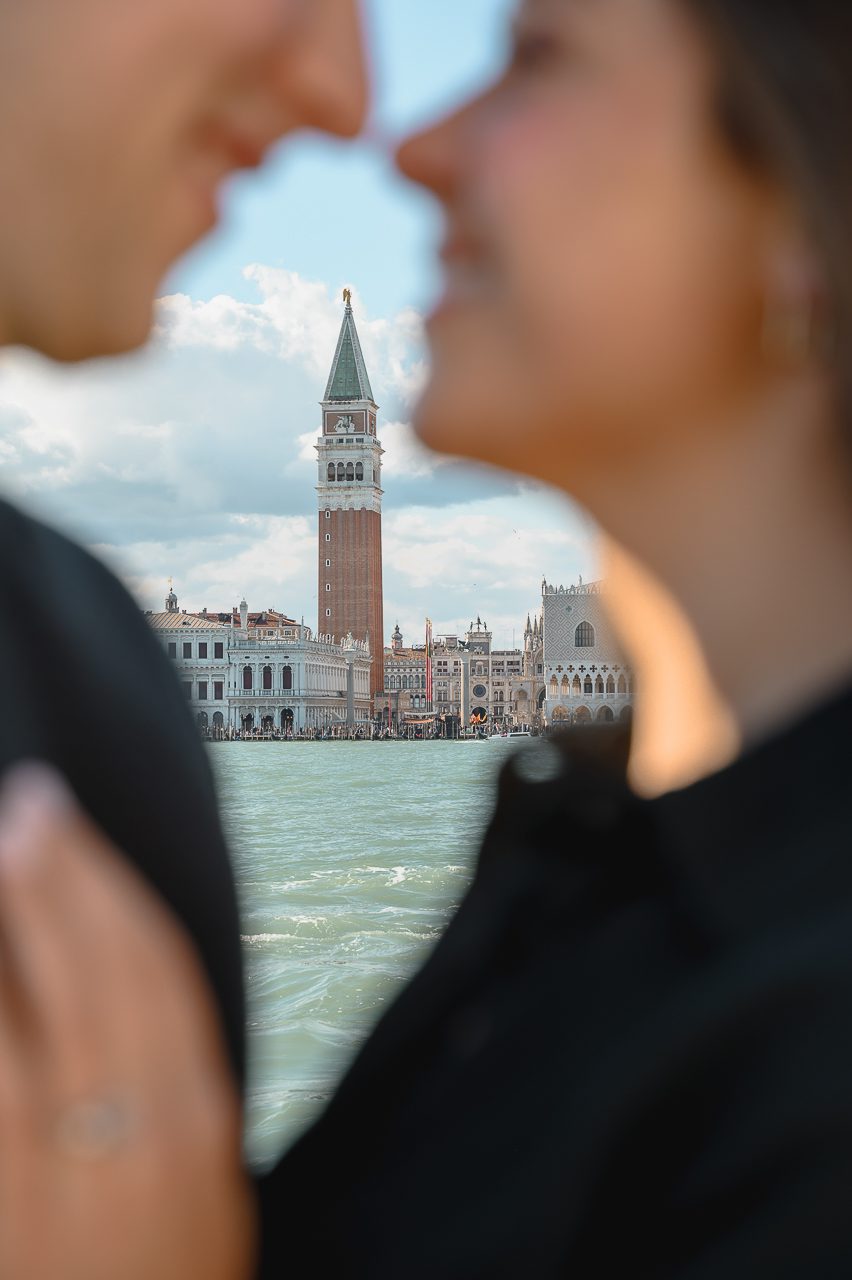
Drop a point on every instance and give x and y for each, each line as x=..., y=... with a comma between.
x=604, y=253
x=119, y=119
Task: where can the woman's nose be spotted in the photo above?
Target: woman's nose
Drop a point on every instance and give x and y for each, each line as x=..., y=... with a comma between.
x=430, y=158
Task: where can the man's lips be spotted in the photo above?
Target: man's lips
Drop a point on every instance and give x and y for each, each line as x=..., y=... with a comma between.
x=470, y=268
x=215, y=151
x=234, y=148
x=245, y=153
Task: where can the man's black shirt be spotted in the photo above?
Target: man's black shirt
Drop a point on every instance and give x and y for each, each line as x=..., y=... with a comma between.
x=88, y=689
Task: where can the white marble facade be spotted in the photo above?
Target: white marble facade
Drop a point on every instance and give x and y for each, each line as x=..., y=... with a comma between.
x=242, y=671
x=585, y=675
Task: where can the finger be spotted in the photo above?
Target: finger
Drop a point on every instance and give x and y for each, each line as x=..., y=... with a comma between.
x=50, y=959
x=15, y=1042
x=123, y=1017
x=115, y=989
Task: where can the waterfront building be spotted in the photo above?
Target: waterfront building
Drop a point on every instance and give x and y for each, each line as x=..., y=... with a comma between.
x=447, y=658
x=530, y=689
x=349, y=493
x=471, y=681
x=585, y=675
x=502, y=687
x=244, y=672
x=476, y=691
x=403, y=698
x=517, y=682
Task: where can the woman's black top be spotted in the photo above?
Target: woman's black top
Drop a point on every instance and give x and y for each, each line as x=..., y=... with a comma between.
x=629, y=1056
x=631, y=1053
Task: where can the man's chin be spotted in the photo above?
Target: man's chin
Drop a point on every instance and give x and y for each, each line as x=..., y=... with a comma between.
x=76, y=341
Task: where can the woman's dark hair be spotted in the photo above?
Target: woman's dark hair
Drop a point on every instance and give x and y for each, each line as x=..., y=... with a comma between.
x=785, y=103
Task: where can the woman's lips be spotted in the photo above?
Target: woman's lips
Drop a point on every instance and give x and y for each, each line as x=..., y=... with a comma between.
x=468, y=273
x=460, y=247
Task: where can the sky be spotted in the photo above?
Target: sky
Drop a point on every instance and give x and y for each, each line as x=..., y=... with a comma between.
x=194, y=460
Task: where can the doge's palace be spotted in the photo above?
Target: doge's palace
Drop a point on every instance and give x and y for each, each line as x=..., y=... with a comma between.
x=585, y=675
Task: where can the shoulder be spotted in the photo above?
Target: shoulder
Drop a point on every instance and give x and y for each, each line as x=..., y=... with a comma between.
x=60, y=592
x=92, y=691
x=573, y=781
x=47, y=570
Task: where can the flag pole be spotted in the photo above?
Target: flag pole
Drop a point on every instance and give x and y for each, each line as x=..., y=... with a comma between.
x=429, y=664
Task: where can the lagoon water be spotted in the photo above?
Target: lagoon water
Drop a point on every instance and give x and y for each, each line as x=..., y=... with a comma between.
x=350, y=857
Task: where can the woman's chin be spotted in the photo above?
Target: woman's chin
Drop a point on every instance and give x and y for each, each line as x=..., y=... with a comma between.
x=456, y=424
x=438, y=423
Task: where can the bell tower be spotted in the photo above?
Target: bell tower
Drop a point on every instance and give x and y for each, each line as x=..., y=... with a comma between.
x=350, y=503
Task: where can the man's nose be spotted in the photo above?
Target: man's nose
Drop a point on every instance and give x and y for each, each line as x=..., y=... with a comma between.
x=321, y=73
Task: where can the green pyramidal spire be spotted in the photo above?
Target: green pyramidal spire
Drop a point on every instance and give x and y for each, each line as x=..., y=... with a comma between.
x=348, y=379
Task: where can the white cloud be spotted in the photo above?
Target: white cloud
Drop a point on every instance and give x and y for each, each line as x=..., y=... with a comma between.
x=405, y=455
x=299, y=320
x=196, y=460
x=485, y=558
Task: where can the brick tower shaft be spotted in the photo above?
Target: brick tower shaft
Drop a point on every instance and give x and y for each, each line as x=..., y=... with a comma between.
x=350, y=503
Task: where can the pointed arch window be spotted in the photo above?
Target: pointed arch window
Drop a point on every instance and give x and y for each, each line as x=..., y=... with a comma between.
x=578, y=688
x=584, y=636
x=622, y=686
x=610, y=687
x=588, y=689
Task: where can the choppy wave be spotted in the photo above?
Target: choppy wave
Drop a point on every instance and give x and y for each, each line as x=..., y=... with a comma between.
x=344, y=888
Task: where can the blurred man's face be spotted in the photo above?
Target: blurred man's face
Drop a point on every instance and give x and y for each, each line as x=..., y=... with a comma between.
x=119, y=119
